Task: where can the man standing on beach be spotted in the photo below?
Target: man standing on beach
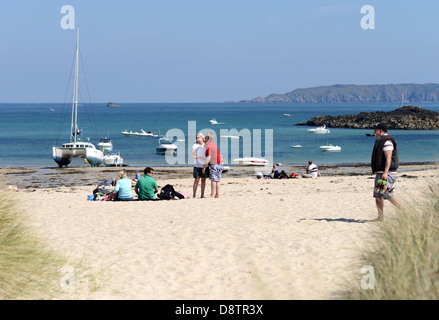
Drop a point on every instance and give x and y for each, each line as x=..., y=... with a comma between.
x=214, y=158
x=385, y=162
x=146, y=187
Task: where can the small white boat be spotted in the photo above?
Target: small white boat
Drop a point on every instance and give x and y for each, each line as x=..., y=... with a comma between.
x=321, y=129
x=251, y=161
x=142, y=133
x=213, y=121
x=113, y=160
x=105, y=144
x=166, y=146
x=330, y=147
x=288, y=115
x=296, y=146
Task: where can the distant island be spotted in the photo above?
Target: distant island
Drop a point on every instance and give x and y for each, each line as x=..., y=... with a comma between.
x=406, y=118
x=339, y=93
x=112, y=105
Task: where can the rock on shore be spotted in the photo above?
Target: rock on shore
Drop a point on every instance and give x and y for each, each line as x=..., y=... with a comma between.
x=406, y=118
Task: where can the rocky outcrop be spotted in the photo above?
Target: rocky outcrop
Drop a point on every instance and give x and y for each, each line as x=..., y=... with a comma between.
x=406, y=118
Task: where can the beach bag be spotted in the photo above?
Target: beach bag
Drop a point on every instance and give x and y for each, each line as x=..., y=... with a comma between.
x=101, y=191
x=167, y=192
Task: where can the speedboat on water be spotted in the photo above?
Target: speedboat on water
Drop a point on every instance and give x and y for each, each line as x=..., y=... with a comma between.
x=296, y=146
x=330, y=147
x=321, y=129
x=288, y=115
x=105, y=144
x=142, y=133
x=113, y=159
x=76, y=148
x=251, y=161
x=166, y=146
x=213, y=121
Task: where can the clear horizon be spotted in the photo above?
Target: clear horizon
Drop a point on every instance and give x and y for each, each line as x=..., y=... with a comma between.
x=198, y=52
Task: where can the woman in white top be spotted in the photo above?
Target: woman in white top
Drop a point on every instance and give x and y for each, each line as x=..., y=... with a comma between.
x=199, y=154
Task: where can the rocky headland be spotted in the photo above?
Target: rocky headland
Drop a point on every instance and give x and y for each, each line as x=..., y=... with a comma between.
x=406, y=118
x=351, y=93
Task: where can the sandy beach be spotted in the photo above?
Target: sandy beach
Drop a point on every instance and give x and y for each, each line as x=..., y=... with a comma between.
x=263, y=239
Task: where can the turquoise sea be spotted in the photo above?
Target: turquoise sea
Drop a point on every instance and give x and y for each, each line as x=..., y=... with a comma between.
x=28, y=131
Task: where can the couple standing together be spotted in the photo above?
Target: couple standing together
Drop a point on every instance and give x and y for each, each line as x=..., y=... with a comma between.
x=207, y=163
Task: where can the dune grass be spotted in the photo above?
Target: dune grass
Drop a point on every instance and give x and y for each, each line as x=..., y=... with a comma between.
x=28, y=269
x=404, y=254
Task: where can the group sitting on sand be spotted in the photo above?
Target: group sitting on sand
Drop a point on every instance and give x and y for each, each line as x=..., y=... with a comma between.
x=208, y=162
x=312, y=171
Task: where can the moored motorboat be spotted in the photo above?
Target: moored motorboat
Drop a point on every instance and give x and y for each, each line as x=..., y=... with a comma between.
x=321, y=129
x=105, y=144
x=113, y=159
x=296, y=146
x=213, y=121
x=251, y=161
x=142, y=133
x=166, y=146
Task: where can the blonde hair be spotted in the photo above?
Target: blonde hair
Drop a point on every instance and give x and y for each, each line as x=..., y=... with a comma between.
x=199, y=134
x=121, y=175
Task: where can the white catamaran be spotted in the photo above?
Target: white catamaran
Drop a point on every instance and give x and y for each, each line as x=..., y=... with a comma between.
x=76, y=148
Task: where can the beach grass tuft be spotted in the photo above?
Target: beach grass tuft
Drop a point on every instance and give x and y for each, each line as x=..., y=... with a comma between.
x=404, y=254
x=28, y=269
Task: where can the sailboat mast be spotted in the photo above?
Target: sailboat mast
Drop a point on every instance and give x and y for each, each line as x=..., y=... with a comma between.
x=74, y=125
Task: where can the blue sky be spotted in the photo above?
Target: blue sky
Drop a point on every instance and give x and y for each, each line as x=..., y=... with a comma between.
x=211, y=50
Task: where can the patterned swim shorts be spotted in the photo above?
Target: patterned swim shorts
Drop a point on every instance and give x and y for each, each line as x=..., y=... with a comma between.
x=215, y=171
x=385, y=192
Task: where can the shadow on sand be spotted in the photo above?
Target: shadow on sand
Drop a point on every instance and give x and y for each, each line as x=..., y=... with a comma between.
x=338, y=220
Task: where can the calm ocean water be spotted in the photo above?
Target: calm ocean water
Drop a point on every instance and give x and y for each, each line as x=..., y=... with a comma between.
x=28, y=131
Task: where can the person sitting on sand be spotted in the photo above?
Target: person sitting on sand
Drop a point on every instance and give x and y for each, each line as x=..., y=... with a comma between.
x=109, y=182
x=137, y=175
x=261, y=175
x=312, y=171
x=122, y=191
x=275, y=174
x=146, y=187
